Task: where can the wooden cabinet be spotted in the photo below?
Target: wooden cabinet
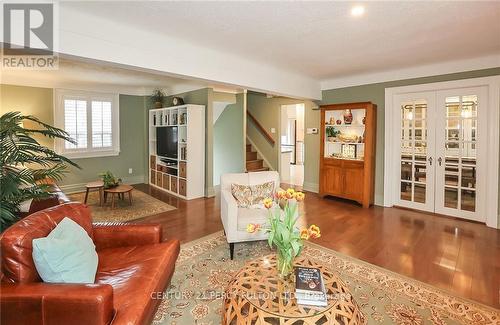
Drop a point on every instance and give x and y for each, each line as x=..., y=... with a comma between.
x=353, y=183
x=333, y=172
x=347, y=161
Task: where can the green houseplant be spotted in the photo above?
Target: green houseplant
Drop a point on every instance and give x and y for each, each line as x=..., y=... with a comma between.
x=24, y=162
x=331, y=132
x=283, y=233
x=109, y=179
x=157, y=97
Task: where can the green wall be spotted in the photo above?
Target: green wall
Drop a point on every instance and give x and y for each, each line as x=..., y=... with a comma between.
x=202, y=97
x=132, y=148
x=376, y=93
x=229, y=148
x=39, y=102
x=267, y=112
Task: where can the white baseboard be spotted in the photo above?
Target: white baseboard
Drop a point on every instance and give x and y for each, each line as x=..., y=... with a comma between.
x=260, y=154
x=311, y=187
x=80, y=187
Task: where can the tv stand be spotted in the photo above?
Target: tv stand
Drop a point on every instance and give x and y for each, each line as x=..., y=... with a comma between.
x=183, y=176
x=169, y=162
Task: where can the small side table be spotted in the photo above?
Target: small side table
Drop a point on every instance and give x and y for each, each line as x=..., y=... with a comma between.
x=120, y=190
x=97, y=185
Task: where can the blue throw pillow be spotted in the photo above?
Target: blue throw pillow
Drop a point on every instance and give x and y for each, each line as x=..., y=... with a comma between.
x=66, y=255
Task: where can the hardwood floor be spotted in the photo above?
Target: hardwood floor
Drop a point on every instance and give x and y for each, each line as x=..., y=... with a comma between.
x=456, y=255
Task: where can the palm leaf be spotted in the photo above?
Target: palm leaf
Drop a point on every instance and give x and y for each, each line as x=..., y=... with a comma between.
x=23, y=161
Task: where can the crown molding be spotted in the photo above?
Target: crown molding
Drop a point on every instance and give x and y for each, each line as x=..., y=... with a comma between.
x=484, y=62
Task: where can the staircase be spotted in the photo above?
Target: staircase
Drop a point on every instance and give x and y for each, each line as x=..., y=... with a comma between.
x=254, y=164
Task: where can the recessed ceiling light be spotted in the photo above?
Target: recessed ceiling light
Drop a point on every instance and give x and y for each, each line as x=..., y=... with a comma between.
x=357, y=11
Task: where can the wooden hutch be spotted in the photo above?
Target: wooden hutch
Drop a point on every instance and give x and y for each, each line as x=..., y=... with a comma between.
x=347, y=151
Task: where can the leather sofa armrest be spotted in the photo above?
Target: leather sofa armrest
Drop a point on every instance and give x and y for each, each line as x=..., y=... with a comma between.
x=51, y=304
x=49, y=202
x=121, y=235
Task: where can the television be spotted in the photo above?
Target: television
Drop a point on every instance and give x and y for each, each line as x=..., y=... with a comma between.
x=166, y=141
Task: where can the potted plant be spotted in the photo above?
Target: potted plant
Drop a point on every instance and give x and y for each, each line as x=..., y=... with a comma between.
x=25, y=163
x=331, y=133
x=283, y=233
x=157, y=97
x=109, y=179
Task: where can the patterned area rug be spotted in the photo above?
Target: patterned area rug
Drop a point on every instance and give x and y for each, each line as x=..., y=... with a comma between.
x=384, y=297
x=143, y=205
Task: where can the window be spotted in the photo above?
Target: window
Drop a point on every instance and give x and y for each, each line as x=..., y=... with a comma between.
x=89, y=118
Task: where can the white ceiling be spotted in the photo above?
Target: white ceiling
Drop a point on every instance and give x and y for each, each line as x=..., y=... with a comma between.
x=321, y=40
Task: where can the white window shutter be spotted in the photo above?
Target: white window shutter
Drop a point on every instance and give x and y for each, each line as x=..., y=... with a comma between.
x=102, y=133
x=75, y=122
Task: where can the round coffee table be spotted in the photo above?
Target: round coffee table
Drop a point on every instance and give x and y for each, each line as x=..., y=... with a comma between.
x=119, y=190
x=257, y=295
x=96, y=185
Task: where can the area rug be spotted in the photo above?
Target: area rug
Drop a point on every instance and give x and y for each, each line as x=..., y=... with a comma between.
x=384, y=296
x=143, y=205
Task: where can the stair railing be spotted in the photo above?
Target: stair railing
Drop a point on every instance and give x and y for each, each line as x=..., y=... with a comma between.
x=262, y=130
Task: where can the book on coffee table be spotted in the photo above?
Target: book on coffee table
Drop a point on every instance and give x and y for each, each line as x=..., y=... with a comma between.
x=309, y=287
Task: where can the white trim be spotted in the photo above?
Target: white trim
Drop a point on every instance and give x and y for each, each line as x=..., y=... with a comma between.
x=245, y=125
x=88, y=152
x=260, y=154
x=493, y=84
x=485, y=62
x=93, y=154
x=80, y=187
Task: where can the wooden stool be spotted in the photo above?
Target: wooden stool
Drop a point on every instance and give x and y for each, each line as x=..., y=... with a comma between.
x=97, y=185
x=120, y=190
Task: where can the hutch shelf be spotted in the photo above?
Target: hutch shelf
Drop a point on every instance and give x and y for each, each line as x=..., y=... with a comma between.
x=347, y=151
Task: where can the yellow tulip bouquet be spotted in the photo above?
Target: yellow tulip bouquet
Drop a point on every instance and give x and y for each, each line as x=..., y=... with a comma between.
x=283, y=233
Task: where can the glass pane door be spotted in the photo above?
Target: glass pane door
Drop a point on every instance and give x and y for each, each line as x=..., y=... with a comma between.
x=415, y=185
x=457, y=152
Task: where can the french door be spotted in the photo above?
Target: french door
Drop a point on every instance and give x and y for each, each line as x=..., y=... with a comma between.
x=416, y=150
x=441, y=149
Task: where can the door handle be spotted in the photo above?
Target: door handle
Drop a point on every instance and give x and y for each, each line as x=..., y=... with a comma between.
x=440, y=160
x=430, y=161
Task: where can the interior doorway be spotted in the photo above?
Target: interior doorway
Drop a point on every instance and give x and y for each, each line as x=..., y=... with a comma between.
x=291, y=158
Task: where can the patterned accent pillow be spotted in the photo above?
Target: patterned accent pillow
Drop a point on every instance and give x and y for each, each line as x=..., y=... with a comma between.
x=261, y=192
x=242, y=194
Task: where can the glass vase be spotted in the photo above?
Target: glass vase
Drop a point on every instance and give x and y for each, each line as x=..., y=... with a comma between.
x=285, y=267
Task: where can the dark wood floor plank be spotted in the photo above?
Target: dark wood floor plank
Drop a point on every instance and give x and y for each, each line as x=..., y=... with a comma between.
x=456, y=255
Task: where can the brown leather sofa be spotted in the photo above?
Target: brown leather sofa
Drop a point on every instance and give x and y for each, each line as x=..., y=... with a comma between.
x=134, y=263
x=56, y=197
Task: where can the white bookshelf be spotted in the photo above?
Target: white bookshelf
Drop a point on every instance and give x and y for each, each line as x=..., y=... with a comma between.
x=183, y=176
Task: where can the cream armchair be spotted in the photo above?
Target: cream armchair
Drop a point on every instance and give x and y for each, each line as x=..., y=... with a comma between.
x=236, y=219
